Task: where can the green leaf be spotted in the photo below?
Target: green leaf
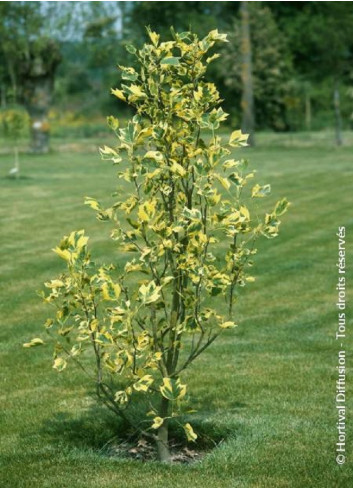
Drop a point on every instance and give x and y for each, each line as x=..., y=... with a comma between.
x=216, y=36
x=172, y=389
x=130, y=48
x=236, y=179
x=128, y=73
x=121, y=397
x=238, y=139
x=171, y=60
x=154, y=155
x=111, y=291
x=192, y=214
x=135, y=91
x=223, y=181
x=230, y=164
x=113, y=122
x=281, y=207
x=149, y=293
x=259, y=191
x=108, y=153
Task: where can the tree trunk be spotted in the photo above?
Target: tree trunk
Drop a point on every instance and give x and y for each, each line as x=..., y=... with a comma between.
x=247, y=99
x=17, y=162
x=37, y=100
x=12, y=75
x=3, y=96
x=338, y=117
x=122, y=8
x=163, y=434
x=38, y=80
x=307, y=110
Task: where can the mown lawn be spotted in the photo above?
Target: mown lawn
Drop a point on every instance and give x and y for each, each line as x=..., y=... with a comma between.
x=266, y=389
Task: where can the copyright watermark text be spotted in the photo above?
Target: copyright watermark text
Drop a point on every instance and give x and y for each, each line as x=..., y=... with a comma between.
x=341, y=356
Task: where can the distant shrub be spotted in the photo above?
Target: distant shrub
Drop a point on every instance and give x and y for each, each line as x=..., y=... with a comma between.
x=15, y=123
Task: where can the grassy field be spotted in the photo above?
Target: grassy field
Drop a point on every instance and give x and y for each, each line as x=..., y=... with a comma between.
x=267, y=389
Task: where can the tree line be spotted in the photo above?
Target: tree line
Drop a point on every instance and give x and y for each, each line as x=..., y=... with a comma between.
x=287, y=66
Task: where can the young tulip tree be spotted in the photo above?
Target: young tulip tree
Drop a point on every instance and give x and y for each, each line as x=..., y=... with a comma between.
x=188, y=232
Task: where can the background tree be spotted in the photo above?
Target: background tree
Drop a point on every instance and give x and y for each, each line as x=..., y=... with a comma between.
x=31, y=60
x=101, y=43
x=246, y=71
x=37, y=79
x=201, y=16
x=18, y=21
x=14, y=122
x=326, y=55
x=271, y=67
x=86, y=66
x=87, y=34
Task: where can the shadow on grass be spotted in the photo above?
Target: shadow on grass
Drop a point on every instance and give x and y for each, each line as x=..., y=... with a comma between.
x=16, y=179
x=92, y=428
x=99, y=430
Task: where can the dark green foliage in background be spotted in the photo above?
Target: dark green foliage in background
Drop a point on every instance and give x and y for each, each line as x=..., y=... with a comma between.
x=300, y=49
x=272, y=67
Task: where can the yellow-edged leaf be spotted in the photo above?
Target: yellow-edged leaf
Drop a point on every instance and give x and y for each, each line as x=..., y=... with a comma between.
x=59, y=364
x=157, y=422
x=149, y=293
x=190, y=433
x=65, y=254
x=258, y=191
x=153, y=36
x=144, y=383
x=178, y=169
x=34, y=342
x=228, y=325
x=118, y=93
x=111, y=291
x=237, y=138
x=172, y=389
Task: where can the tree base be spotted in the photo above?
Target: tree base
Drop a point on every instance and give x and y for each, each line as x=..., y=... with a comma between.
x=40, y=137
x=164, y=454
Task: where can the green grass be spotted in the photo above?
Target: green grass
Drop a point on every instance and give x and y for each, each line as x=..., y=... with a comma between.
x=267, y=389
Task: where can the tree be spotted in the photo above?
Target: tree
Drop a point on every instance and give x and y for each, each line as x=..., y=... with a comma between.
x=86, y=57
x=31, y=59
x=14, y=124
x=37, y=79
x=247, y=98
x=101, y=44
x=327, y=53
x=19, y=20
x=271, y=67
x=200, y=16
x=149, y=320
